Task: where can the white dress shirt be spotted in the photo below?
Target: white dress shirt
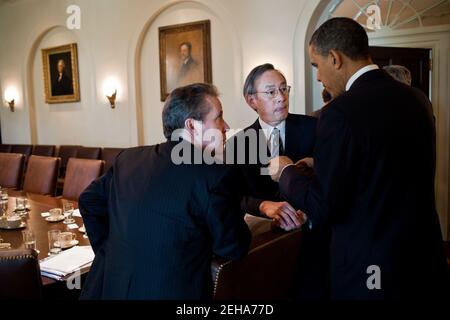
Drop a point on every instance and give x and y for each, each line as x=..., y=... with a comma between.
x=267, y=129
x=359, y=73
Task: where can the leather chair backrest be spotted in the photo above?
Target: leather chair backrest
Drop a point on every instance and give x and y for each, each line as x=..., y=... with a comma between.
x=11, y=169
x=65, y=153
x=88, y=153
x=41, y=175
x=5, y=148
x=20, y=275
x=109, y=156
x=22, y=148
x=80, y=173
x=44, y=150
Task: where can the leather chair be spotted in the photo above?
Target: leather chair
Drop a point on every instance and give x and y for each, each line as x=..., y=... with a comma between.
x=44, y=150
x=23, y=149
x=20, y=275
x=88, y=153
x=5, y=148
x=65, y=153
x=11, y=169
x=41, y=175
x=109, y=156
x=80, y=173
x=267, y=272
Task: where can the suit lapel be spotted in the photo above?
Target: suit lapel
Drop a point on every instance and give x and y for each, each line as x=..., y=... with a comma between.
x=257, y=127
x=292, y=146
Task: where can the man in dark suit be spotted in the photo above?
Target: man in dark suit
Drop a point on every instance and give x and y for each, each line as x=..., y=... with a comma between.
x=374, y=166
x=275, y=132
x=62, y=84
x=266, y=91
x=154, y=221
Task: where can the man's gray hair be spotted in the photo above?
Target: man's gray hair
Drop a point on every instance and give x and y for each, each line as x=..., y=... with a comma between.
x=186, y=102
x=249, y=85
x=399, y=73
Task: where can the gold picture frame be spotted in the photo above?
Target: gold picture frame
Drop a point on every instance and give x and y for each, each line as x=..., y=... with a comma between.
x=184, y=55
x=60, y=67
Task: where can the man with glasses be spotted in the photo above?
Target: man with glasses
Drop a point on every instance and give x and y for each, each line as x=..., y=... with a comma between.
x=267, y=92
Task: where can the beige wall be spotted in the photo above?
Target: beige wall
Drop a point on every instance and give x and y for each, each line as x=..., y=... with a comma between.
x=119, y=38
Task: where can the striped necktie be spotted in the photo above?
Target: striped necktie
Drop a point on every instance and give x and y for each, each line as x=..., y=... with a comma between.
x=276, y=145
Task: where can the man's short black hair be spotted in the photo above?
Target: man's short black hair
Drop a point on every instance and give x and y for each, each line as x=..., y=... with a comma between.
x=341, y=34
x=186, y=102
x=249, y=85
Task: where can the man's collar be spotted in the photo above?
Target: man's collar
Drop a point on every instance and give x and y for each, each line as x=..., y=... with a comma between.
x=265, y=126
x=359, y=73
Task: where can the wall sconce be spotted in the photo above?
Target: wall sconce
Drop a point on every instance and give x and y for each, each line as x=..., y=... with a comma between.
x=11, y=97
x=110, y=87
x=112, y=99
x=11, y=105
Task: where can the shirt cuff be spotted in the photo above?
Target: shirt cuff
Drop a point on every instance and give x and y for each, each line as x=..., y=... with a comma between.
x=282, y=170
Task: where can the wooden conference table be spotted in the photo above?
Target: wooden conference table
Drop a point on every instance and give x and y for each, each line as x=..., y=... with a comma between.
x=38, y=224
x=269, y=246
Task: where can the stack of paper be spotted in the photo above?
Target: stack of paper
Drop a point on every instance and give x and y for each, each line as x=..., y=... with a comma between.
x=66, y=263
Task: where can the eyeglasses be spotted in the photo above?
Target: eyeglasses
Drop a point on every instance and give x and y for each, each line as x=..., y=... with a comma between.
x=284, y=91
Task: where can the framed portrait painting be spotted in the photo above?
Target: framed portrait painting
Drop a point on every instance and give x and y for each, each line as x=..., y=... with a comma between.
x=184, y=55
x=60, y=66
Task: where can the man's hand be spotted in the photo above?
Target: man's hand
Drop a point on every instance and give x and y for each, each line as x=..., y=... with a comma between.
x=283, y=214
x=276, y=166
x=309, y=162
x=305, y=167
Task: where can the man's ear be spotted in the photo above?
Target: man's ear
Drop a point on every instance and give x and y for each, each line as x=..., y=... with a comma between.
x=336, y=58
x=251, y=101
x=189, y=125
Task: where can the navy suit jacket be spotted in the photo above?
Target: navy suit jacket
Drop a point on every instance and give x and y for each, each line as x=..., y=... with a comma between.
x=374, y=165
x=154, y=226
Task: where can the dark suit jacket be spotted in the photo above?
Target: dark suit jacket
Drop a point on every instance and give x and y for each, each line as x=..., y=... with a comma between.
x=312, y=279
x=154, y=226
x=300, y=138
x=374, y=183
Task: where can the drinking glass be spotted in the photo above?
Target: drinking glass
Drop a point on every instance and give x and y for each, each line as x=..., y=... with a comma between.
x=53, y=236
x=4, y=195
x=29, y=240
x=4, y=209
x=68, y=212
x=21, y=205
